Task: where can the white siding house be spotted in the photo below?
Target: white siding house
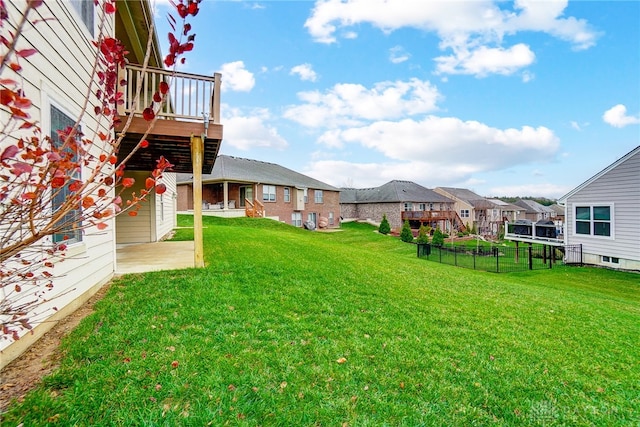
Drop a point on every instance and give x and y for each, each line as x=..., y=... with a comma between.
x=603, y=215
x=57, y=79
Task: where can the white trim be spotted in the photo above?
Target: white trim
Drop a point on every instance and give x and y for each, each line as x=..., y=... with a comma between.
x=611, y=205
x=50, y=97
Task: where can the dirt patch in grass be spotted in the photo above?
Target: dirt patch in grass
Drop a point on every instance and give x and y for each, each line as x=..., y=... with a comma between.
x=43, y=357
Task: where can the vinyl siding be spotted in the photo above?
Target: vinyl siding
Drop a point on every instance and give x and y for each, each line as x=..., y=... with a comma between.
x=619, y=187
x=165, y=207
x=139, y=228
x=58, y=75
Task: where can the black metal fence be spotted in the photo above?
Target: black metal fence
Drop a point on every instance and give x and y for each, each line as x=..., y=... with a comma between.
x=502, y=259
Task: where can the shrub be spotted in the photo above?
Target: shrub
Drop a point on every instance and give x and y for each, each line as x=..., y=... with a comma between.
x=423, y=234
x=384, y=228
x=438, y=238
x=406, y=235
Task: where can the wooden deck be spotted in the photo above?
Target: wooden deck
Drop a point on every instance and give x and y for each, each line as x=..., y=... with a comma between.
x=192, y=108
x=430, y=217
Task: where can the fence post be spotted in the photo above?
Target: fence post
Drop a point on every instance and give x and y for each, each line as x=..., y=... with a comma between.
x=530, y=256
x=455, y=256
x=496, y=252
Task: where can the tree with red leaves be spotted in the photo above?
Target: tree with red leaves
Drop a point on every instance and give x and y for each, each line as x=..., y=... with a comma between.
x=44, y=199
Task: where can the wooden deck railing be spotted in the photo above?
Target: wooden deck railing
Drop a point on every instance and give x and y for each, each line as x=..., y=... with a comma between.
x=429, y=216
x=191, y=96
x=253, y=209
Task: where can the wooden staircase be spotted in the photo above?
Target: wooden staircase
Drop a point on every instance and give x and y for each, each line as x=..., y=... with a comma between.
x=253, y=209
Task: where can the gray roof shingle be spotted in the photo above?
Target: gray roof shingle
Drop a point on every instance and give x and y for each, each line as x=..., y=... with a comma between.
x=392, y=192
x=237, y=169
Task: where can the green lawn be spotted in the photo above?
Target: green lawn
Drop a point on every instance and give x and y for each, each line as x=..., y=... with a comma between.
x=288, y=327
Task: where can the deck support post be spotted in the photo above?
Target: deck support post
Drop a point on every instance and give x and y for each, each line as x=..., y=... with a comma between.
x=197, y=156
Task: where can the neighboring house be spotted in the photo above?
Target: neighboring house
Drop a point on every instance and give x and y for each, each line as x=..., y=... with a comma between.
x=508, y=211
x=534, y=211
x=482, y=214
x=602, y=215
x=399, y=201
x=245, y=187
x=58, y=80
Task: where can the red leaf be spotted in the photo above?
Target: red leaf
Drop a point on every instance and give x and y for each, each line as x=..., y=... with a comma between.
x=21, y=102
x=128, y=182
x=161, y=188
x=169, y=60
x=17, y=288
x=144, y=143
x=133, y=213
x=113, y=159
x=157, y=97
x=102, y=192
x=57, y=182
x=9, y=152
x=15, y=67
x=24, y=53
x=186, y=29
x=109, y=8
x=150, y=182
x=87, y=202
x=27, y=125
x=164, y=88
x=101, y=225
x=193, y=8
x=148, y=114
x=182, y=10
x=75, y=186
x=17, y=112
x=6, y=96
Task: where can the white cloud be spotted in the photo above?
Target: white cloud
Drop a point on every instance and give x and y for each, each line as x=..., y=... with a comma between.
x=484, y=61
x=397, y=55
x=236, y=78
x=434, y=151
x=473, y=30
x=305, y=72
x=466, y=147
x=247, y=130
x=351, y=104
x=617, y=116
x=538, y=189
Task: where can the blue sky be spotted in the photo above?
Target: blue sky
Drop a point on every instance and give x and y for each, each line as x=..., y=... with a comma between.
x=526, y=98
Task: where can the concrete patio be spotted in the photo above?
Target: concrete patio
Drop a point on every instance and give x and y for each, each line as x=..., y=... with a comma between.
x=145, y=257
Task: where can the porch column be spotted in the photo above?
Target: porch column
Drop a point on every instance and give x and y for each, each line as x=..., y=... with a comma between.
x=197, y=155
x=225, y=197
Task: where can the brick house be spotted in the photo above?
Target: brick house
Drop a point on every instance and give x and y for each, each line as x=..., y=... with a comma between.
x=246, y=187
x=399, y=201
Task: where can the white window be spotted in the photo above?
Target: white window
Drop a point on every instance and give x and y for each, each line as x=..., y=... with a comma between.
x=269, y=193
x=85, y=10
x=306, y=196
x=287, y=194
x=464, y=213
x=319, y=196
x=71, y=221
x=422, y=207
x=408, y=207
x=296, y=219
x=594, y=220
x=331, y=219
